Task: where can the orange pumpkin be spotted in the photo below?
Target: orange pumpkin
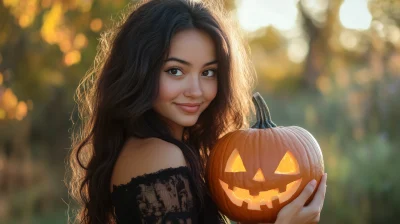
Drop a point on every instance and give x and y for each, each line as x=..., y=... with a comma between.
x=254, y=173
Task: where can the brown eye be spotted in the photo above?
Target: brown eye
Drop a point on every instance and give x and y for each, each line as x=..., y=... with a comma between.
x=174, y=72
x=209, y=73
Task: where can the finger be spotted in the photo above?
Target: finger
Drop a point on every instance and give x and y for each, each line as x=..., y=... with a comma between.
x=313, y=216
x=319, y=197
x=305, y=194
x=316, y=219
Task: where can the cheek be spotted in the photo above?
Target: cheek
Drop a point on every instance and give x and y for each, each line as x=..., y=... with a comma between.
x=169, y=89
x=210, y=89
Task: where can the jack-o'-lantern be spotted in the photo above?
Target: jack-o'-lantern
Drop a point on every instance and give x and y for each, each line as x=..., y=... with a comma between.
x=254, y=173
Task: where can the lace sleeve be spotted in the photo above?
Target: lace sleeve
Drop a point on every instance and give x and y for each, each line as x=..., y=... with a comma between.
x=161, y=197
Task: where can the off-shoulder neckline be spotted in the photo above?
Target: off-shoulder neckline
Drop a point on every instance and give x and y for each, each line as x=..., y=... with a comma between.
x=151, y=177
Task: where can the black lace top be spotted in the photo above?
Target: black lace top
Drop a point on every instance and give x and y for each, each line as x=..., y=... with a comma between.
x=162, y=197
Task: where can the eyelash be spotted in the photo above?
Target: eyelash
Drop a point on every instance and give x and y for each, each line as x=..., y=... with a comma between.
x=214, y=70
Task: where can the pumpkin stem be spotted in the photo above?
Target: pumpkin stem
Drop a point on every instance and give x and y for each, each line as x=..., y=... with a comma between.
x=262, y=113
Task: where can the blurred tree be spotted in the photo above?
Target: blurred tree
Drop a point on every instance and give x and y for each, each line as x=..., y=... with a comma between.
x=46, y=47
x=319, y=32
x=386, y=11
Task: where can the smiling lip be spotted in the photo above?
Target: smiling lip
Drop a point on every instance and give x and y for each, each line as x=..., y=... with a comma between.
x=189, y=107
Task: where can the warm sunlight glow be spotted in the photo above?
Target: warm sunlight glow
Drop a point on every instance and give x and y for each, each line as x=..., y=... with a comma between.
x=21, y=110
x=80, y=41
x=354, y=14
x=235, y=163
x=3, y=114
x=96, y=25
x=349, y=39
x=72, y=57
x=288, y=165
x=254, y=14
x=297, y=50
x=8, y=100
x=51, y=21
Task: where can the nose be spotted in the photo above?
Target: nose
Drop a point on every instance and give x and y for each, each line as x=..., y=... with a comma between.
x=193, y=86
x=259, y=176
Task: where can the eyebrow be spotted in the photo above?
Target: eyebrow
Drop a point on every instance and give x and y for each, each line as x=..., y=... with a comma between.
x=187, y=63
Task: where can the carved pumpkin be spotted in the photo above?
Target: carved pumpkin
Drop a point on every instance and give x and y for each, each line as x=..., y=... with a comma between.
x=254, y=173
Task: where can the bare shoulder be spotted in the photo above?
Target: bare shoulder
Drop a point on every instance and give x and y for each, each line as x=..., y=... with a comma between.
x=143, y=156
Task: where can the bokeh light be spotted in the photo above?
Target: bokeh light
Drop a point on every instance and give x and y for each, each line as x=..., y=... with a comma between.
x=254, y=14
x=354, y=14
x=331, y=67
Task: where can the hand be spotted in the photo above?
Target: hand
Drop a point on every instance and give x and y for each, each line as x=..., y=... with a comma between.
x=296, y=213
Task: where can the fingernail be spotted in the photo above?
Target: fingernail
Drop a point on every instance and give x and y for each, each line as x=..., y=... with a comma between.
x=313, y=183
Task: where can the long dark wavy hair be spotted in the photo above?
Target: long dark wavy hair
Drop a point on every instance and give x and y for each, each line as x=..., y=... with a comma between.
x=115, y=97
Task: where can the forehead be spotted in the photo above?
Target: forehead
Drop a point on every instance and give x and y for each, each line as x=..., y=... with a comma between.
x=193, y=45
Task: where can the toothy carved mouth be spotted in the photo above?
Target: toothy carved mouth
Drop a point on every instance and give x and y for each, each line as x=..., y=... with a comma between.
x=238, y=195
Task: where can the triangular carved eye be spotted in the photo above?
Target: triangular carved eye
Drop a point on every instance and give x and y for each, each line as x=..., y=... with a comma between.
x=288, y=165
x=235, y=163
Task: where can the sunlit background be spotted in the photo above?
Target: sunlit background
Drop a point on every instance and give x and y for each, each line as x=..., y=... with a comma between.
x=330, y=66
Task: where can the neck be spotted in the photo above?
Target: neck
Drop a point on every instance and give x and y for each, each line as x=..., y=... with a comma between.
x=177, y=132
x=175, y=129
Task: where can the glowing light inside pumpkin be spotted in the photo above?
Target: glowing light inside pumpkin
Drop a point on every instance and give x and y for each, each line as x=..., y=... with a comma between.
x=259, y=176
x=288, y=165
x=235, y=163
x=238, y=195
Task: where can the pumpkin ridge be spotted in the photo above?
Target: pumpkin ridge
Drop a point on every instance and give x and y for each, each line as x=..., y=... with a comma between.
x=243, y=145
x=257, y=146
x=230, y=142
x=311, y=155
x=289, y=129
x=290, y=145
x=306, y=136
x=279, y=140
x=312, y=141
x=215, y=181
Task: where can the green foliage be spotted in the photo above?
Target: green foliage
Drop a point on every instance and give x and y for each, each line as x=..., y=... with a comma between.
x=348, y=99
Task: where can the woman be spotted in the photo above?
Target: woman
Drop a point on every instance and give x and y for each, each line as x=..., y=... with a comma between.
x=169, y=80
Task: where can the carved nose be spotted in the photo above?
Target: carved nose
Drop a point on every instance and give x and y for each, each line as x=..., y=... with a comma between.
x=259, y=176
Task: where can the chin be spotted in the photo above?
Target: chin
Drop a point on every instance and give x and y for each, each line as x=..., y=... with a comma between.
x=188, y=122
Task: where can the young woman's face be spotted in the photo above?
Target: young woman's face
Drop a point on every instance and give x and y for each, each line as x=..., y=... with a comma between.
x=188, y=79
